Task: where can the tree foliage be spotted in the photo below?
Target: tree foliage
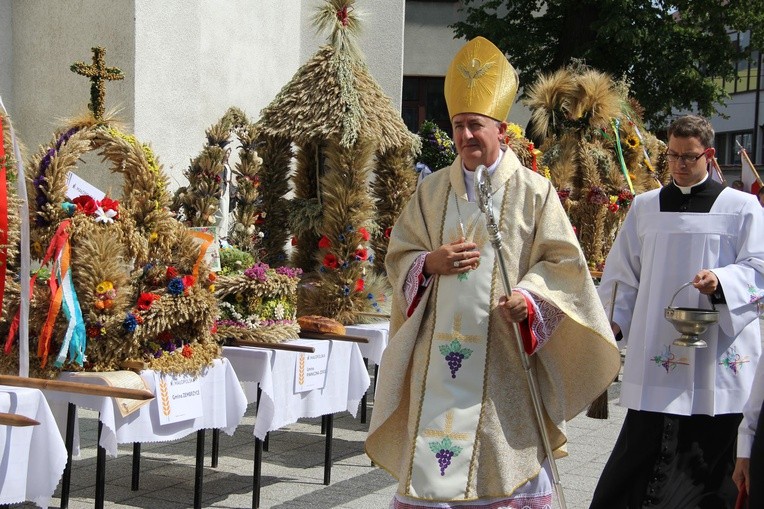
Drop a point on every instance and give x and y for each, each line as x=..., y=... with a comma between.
x=670, y=52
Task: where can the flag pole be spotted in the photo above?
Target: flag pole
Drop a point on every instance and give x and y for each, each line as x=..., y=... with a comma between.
x=744, y=153
x=715, y=166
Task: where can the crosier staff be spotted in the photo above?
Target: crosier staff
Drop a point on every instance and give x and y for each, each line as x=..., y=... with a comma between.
x=483, y=193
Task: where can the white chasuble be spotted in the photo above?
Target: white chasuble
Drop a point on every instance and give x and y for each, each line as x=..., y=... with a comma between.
x=666, y=250
x=453, y=391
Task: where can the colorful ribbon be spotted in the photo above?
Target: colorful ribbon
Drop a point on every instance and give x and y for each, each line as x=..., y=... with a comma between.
x=75, y=338
x=616, y=123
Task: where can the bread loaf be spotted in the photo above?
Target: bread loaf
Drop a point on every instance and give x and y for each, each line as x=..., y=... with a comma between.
x=316, y=323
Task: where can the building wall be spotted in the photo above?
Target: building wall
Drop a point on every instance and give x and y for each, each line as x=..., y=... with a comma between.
x=185, y=61
x=381, y=40
x=429, y=45
x=6, y=52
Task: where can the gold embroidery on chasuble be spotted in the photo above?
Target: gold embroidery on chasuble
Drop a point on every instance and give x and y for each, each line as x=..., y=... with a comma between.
x=444, y=450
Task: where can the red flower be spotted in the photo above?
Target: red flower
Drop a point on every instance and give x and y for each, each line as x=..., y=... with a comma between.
x=146, y=300
x=211, y=277
x=330, y=261
x=109, y=204
x=165, y=336
x=364, y=233
x=359, y=285
x=187, y=351
x=613, y=207
x=388, y=231
x=85, y=204
x=324, y=242
x=259, y=219
x=294, y=241
x=362, y=254
x=188, y=281
x=171, y=272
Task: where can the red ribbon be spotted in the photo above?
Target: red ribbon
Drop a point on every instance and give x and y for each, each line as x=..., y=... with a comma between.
x=3, y=217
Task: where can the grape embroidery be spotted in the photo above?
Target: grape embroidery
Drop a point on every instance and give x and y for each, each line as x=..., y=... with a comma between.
x=444, y=451
x=454, y=354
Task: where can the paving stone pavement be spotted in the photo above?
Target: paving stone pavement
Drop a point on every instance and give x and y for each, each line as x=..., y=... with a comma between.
x=292, y=471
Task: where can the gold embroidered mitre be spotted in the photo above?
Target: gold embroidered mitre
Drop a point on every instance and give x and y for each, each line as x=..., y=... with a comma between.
x=481, y=80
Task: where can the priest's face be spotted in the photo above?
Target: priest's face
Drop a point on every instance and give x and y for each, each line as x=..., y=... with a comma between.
x=477, y=139
x=688, y=160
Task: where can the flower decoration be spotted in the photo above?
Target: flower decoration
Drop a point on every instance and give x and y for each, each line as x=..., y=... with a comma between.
x=597, y=196
x=175, y=286
x=388, y=232
x=364, y=233
x=85, y=204
x=146, y=300
x=171, y=272
x=130, y=323
x=187, y=351
x=258, y=271
x=359, y=285
x=563, y=194
x=361, y=254
x=324, y=243
x=437, y=148
x=632, y=141
x=330, y=261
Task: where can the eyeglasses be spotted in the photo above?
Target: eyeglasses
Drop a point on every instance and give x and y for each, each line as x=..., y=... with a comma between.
x=687, y=159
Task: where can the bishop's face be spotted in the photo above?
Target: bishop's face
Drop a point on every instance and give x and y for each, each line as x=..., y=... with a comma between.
x=688, y=160
x=477, y=139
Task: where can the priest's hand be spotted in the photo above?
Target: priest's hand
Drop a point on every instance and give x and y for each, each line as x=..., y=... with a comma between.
x=454, y=258
x=706, y=282
x=514, y=308
x=741, y=475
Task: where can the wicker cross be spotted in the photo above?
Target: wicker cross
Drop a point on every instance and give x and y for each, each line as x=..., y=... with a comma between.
x=97, y=73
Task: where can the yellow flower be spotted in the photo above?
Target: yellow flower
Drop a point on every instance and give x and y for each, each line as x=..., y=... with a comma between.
x=153, y=237
x=613, y=199
x=104, y=286
x=632, y=141
x=212, y=288
x=514, y=130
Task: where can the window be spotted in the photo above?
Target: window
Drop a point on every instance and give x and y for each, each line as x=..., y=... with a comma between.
x=747, y=70
x=727, y=150
x=423, y=100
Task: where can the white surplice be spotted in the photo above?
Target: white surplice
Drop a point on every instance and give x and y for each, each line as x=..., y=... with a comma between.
x=654, y=255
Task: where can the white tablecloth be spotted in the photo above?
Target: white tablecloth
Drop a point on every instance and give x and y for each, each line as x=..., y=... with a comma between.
x=33, y=457
x=274, y=371
x=223, y=403
x=376, y=333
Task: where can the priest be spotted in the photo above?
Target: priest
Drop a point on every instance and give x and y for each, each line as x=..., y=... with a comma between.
x=453, y=416
x=676, y=447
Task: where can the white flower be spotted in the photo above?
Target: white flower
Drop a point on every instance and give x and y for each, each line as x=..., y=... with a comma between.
x=105, y=216
x=278, y=311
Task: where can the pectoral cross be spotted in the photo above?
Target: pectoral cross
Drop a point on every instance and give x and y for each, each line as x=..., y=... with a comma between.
x=97, y=73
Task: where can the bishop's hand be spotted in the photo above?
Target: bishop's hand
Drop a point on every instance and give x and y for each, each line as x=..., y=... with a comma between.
x=454, y=258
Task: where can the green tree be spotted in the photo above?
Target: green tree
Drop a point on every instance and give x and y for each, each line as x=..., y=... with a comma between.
x=671, y=52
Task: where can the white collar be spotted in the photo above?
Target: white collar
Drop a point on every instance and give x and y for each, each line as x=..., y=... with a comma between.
x=688, y=190
x=469, y=176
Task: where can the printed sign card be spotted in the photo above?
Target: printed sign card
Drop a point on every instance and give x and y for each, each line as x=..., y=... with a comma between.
x=77, y=186
x=310, y=371
x=179, y=397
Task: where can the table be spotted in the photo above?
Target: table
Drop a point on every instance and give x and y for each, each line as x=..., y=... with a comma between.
x=271, y=373
x=223, y=402
x=33, y=457
x=378, y=335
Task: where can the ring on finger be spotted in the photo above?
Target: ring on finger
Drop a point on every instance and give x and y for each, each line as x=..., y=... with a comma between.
x=457, y=263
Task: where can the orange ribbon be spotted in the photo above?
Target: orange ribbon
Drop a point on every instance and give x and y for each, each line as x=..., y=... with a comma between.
x=59, y=243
